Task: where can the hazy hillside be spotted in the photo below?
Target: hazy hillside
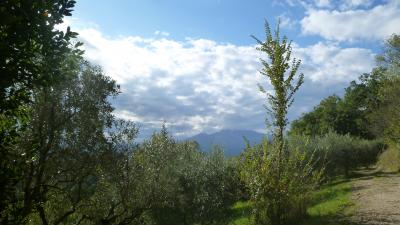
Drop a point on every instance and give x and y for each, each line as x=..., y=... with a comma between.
x=232, y=141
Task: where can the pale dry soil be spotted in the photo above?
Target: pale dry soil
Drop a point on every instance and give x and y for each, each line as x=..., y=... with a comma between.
x=377, y=198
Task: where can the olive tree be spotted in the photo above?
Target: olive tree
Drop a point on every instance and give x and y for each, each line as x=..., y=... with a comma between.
x=62, y=143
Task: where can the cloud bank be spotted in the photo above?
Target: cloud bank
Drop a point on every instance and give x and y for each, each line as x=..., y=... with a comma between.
x=199, y=85
x=346, y=22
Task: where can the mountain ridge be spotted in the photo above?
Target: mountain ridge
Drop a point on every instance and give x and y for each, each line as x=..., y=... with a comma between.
x=231, y=140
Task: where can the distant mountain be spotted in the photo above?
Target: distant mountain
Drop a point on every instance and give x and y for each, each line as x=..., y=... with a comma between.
x=231, y=141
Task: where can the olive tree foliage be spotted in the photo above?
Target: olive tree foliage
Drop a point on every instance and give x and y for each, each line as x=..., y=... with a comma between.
x=116, y=198
x=160, y=181
x=180, y=184
x=82, y=166
x=279, y=179
x=61, y=145
x=338, y=154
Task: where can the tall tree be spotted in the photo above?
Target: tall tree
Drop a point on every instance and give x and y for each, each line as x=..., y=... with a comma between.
x=279, y=180
x=281, y=71
x=385, y=115
x=31, y=54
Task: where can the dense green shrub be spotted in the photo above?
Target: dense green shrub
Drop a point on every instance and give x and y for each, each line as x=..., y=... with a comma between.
x=340, y=153
x=183, y=184
x=282, y=198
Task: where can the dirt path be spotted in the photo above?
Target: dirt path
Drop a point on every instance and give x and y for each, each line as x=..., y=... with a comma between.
x=377, y=199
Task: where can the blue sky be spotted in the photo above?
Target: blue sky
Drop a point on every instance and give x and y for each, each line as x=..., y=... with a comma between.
x=220, y=20
x=230, y=21
x=193, y=63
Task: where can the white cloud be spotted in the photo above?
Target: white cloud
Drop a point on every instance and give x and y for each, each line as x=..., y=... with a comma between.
x=200, y=85
x=331, y=64
x=376, y=23
x=161, y=33
x=127, y=115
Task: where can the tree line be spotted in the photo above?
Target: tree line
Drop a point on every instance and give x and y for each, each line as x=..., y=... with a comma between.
x=368, y=108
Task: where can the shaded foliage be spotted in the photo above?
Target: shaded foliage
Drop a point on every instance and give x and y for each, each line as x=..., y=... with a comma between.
x=31, y=55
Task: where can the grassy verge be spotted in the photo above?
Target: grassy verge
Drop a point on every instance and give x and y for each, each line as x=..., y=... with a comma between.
x=331, y=205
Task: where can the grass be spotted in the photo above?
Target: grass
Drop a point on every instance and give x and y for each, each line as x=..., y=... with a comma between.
x=329, y=206
x=241, y=212
x=389, y=160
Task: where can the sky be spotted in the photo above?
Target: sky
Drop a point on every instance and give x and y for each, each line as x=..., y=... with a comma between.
x=193, y=65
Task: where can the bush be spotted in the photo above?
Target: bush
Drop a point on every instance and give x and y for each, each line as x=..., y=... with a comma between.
x=389, y=160
x=185, y=185
x=276, y=197
x=340, y=153
x=160, y=181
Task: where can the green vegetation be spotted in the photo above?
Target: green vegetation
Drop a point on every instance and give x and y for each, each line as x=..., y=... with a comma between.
x=327, y=206
x=65, y=158
x=389, y=160
x=158, y=182
x=369, y=109
x=279, y=179
x=241, y=213
x=330, y=203
x=338, y=154
x=32, y=55
x=347, y=115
